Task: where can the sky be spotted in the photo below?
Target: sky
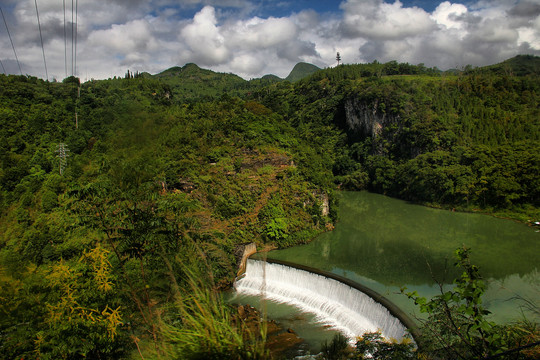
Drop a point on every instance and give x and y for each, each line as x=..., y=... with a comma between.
x=252, y=38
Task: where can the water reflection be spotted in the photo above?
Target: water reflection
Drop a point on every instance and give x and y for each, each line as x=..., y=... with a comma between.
x=386, y=243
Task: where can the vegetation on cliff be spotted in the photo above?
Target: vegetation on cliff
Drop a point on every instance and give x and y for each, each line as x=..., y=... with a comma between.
x=468, y=141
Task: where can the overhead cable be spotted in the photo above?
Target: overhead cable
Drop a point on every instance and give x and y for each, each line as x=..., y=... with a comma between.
x=10, y=39
x=76, y=30
x=65, y=39
x=41, y=38
x=72, y=40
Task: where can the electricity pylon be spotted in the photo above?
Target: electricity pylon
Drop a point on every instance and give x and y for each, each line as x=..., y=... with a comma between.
x=62, y=151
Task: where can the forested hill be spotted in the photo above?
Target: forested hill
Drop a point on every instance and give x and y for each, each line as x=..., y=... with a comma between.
x=122, y=208
x=301, y=71
x=468, y=141
x=521, y=65
x=191, y=83
x=110, y=223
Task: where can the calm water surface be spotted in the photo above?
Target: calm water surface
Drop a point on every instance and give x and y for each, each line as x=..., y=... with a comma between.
x=386, y=243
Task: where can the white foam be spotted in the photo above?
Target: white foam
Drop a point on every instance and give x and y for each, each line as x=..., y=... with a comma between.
x=335, y=304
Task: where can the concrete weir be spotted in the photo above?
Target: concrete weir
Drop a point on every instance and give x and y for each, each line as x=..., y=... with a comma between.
x=341, y=303
x=243, y=252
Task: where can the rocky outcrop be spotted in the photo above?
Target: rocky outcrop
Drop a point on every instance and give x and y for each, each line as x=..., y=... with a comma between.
x=366, y=119
x=325, y=204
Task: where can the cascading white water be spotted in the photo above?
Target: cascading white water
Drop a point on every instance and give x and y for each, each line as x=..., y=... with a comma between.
x=345, y=308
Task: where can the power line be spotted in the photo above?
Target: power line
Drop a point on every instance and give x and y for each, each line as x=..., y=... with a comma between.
x=72, y=41
x=65, y=39
x=3, y=68
x=12, y=45
x=76, y=31
x=41, y=38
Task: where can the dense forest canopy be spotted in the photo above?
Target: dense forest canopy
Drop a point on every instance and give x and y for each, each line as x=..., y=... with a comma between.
x=163, y=176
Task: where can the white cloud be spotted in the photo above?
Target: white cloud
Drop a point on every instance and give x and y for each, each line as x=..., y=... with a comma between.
x=450, y=15
x=204, y=41
x=376, y=19
x=261, y=33
x=246, y=64
x=152, y=35
x=132, y=37
x=483, y=33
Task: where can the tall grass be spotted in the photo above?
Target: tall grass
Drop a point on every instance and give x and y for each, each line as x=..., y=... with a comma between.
x=208, y=328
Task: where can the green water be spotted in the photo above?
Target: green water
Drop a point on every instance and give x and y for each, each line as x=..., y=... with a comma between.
x=386, y=243
x=305, y=325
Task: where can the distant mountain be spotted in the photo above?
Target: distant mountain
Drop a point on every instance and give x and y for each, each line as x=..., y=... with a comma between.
x=266, y=80
x=192, y=82
x=271, y=78
x=521, y=65
x=193, y=72
x=301, y=70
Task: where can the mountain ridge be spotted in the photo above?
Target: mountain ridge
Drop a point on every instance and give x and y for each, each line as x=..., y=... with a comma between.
x=301, y=70
x=519, y=65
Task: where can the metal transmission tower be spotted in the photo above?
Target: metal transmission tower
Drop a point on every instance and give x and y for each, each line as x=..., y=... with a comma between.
x=62, y=151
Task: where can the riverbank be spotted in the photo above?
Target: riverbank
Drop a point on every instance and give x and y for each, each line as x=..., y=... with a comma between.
x=528, y=216
x=281, y=342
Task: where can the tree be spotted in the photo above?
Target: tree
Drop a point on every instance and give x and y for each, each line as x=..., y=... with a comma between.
x=457, y=326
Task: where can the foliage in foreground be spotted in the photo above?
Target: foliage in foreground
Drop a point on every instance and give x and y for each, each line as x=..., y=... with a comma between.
x=371, y=345
x=91, y=259
x=457, y=326
x=207, y=328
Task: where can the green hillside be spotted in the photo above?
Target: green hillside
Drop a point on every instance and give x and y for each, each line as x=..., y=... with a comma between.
x=521, y=65
x=301, y=70
x=466, y=141
x=271, y=78
x=118, y=232
x=192, y=83
x=157, y=187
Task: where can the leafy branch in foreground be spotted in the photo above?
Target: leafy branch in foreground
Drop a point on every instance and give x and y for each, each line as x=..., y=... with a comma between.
x=371, y=345
x=457, y=324
x=374, y=346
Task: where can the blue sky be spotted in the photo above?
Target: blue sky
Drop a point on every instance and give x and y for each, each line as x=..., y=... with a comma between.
x=322, y=6
x=252, y=38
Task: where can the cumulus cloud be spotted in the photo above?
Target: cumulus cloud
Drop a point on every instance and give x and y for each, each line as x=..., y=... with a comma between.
x=379, y=20
x=239, y=36
x=484, y=33
x=262, y=33
x=450, y=15
x=204, y=42
x=132, y=37
x=246, y=47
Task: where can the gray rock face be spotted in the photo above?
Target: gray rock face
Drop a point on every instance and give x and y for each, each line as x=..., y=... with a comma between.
x=366, y=119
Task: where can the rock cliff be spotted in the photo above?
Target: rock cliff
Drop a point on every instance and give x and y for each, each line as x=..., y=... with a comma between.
x=366, y=120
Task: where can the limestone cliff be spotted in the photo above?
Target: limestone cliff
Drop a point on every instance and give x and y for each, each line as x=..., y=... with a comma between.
x=366, y=120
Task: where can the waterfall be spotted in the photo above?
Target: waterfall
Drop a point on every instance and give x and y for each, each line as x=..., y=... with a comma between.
x=334, y=303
